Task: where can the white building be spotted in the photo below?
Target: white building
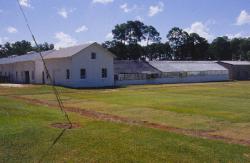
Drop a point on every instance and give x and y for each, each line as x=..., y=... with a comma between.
x=88, y=65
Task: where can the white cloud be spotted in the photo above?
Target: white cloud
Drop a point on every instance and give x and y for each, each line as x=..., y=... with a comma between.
x=109, y=36
x=201, y=29
x=11, y=30
x=25, y=3
x=127, y=9
x=144, y=43
x=90, y=42
x=3, y=40
x=155, y=9
x=139, y=18
x=231, y=36
x=83, y=28
x=102, y=1
x=64, y=12
x=243, y=18
x=64, y=40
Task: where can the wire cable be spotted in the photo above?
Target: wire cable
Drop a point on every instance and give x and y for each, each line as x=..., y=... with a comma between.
x=57, y=94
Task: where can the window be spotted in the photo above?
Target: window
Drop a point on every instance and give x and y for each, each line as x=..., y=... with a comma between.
x=93, y=55
x=67, y=74
x=0, y=73
x=83, y=73
x=16, y=75
x=32, y=75
x=104, y=73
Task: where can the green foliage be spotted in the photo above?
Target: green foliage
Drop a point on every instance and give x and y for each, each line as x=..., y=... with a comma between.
x=183, y=46
x=220, y=48
x=22, y=47
x=158, y=51
x=179, y=42
x=198, y=47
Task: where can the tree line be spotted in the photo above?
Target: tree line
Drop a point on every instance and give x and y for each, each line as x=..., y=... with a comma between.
x=135, y=40
x=22, y=47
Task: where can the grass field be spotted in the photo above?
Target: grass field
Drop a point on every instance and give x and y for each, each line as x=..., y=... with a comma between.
x=207, y=122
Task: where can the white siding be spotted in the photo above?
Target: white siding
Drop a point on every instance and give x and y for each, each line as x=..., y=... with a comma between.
x=189, y=79
x=57, y=68
x=21, y=67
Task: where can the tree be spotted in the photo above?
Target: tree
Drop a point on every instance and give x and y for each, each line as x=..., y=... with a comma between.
x=151, y=35
x=134, y=51
x=135, y=32
x=126, y=39
x=119, y=33
x=199, y=47
x=158, y=51
x=130, y=32
x=22, y=47
x=235, y=46
x=244, y=49
x=179, y=42
x=220, y=49
x=44, y=47
x=118, y=48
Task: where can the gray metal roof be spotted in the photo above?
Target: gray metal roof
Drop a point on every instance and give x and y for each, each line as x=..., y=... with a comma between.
x=61, y=53
x=67, y=52
x=133, y=67
x=24, y=58
x=236, y=62
x=189, y=66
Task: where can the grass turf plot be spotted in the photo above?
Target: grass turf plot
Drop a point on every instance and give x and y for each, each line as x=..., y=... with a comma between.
x=26, y=133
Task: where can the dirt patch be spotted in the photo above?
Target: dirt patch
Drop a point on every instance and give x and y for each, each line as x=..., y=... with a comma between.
x=13, y=85
x=119, y=119
x=65, y=125
x=247, y=155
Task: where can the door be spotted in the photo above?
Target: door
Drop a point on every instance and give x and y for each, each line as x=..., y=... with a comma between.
x=43, y=77
x=27, y=77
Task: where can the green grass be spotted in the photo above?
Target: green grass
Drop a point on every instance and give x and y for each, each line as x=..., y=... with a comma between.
x=210, y=106
x=25, y=132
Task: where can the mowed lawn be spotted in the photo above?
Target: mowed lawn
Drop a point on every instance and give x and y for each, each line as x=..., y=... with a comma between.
x=217, y=109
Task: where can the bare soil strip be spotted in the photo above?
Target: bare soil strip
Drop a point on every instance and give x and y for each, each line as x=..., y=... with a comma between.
x=119, y=119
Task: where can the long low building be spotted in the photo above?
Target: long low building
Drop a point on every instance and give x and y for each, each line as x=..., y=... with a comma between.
x=91, y=65
x=159, y=72
x=238, y=70
x=88, y=65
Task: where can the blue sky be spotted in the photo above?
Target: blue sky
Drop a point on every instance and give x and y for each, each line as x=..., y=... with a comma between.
x=70, y=22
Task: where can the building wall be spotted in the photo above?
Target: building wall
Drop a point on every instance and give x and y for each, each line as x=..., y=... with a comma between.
x=189, y=79
x=241, y=72
x=237, y=72
x=57, y=69
x=18, y=70
x=82, y=60
x=5, y=69
x=39, y=69
x=93, y=68
x=15, y=71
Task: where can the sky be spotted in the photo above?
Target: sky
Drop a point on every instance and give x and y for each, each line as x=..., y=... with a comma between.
x=71, y=22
